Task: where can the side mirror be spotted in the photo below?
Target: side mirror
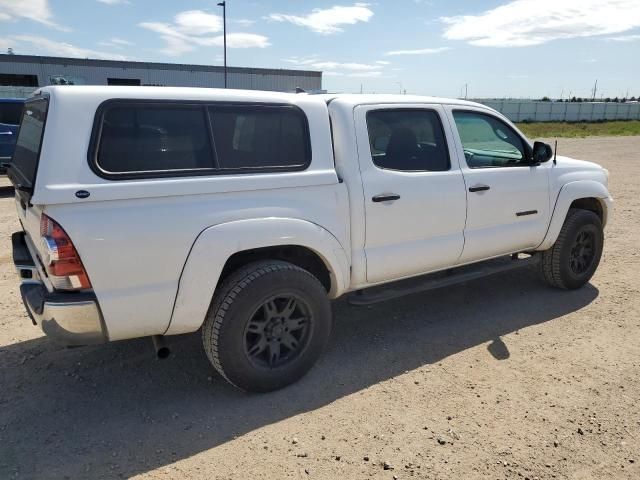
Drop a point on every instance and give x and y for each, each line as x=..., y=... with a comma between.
x=542, y=152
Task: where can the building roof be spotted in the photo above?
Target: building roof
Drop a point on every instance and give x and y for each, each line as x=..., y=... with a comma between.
x=88, y=62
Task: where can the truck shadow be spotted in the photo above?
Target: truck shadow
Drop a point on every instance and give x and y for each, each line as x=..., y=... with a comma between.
x=114, y=410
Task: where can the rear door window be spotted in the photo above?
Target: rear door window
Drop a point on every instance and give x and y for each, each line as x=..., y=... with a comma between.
x=145, y=139
x=27, y=151
x=260, y=137
x=407, y=140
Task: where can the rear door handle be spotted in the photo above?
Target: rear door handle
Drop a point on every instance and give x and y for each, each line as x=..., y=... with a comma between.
x=386, y=197
x=479, y=188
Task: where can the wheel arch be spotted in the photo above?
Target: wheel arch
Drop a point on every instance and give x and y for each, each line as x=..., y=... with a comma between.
x=585, y=194
x=301, y=256
x=222, y=248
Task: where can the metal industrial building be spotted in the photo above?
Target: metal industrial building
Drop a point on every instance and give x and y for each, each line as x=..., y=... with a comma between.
x=20, y=73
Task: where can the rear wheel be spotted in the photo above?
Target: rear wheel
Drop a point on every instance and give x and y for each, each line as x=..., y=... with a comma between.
x=575, y=255
x=267, y=326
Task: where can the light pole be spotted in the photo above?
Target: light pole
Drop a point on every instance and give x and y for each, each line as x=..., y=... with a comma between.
x=224, y=34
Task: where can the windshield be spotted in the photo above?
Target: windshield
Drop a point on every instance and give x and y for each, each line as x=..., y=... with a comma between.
x=25, y=157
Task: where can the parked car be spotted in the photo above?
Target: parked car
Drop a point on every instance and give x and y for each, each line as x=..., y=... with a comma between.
x=10, y=113
x=161, y=211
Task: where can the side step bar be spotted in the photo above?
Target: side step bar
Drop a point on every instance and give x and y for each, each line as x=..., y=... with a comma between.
x=437, y=280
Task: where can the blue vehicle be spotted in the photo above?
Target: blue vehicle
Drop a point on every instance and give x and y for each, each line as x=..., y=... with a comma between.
x=10, y=113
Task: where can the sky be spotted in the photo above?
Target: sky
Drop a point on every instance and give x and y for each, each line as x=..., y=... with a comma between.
x=497, y=48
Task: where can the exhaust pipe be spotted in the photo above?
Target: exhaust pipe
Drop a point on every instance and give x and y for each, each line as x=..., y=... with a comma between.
x=162, y=351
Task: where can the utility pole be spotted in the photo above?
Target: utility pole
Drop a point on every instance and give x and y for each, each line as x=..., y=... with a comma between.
x=595, y=89
x=224, y=33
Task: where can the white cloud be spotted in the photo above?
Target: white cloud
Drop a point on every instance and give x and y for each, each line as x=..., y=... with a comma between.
x=365, y=74
x=332, y=73
x=115, y=2
x=329, y=20
x=361, y=67
x=5, y=43
x=420, y=51
x=176, y=46
x=383, y=62
x=193, y=28
x=338, y=69
x=197, y=22
x=120, y=41
x=245, y=22
x=35, y=10
x=533, y=22
x=39, y=45
x=625, y=38
x=242, y=40
x=115, y=42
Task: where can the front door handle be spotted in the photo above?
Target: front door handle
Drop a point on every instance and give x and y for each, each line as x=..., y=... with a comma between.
x=479, y=188
x=386, y=197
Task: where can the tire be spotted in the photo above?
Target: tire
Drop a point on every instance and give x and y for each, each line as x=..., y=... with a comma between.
x=574, y=257
x=267, y=325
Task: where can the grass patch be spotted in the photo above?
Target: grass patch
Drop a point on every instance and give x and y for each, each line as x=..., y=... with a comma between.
x=580, y=129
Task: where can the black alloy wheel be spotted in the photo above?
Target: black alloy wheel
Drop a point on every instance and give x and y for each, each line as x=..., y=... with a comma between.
x=278, y=331
x=582, y=252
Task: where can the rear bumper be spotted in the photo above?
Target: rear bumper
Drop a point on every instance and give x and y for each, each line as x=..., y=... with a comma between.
x=71, y=318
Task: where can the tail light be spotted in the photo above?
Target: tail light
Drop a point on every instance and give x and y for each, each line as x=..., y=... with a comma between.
x=61, y=259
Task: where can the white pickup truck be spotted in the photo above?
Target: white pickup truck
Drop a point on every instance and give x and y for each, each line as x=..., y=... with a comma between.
x=159, y=211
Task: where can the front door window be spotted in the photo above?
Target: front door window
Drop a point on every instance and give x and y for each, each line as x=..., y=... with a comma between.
x=488, y=142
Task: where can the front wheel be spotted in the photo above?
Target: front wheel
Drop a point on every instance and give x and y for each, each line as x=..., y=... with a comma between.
x=267, y=326
x=574, y=257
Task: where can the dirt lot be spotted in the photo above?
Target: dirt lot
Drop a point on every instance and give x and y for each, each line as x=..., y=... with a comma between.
x=501, y=378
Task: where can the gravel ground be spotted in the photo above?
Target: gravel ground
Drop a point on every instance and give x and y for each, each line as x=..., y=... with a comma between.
x=501, y=378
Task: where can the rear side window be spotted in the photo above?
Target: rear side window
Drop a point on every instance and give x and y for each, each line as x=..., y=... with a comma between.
x=154, y=138
x=258, y=137
x=407, y=140
x=137, y=139
x=25, y=156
